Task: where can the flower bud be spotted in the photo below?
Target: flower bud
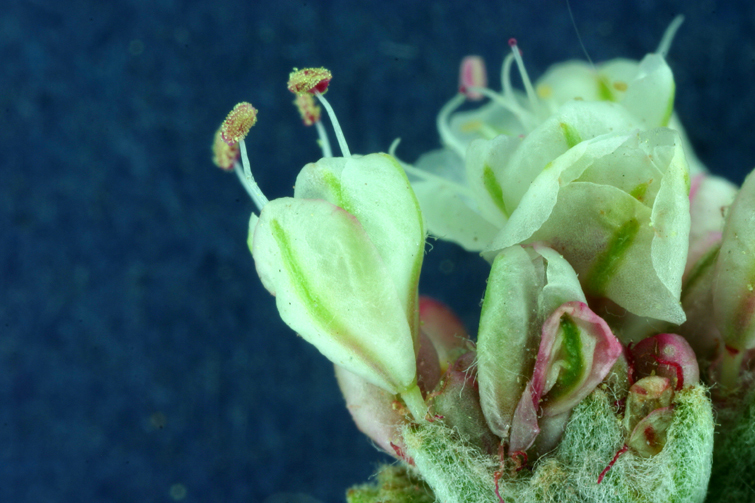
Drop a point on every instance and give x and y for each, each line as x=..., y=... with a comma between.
x=666, y=355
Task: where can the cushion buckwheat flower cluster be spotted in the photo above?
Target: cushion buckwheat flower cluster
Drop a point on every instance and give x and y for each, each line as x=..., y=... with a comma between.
x=619, y=315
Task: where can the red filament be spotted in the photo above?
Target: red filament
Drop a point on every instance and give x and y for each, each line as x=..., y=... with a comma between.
x=613, y=461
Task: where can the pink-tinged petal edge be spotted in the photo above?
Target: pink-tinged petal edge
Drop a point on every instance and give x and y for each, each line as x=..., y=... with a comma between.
x=524, y=428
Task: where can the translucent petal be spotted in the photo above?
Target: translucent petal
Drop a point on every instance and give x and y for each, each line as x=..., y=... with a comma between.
x=332, y=287
x=375, y=189
x=734, y=286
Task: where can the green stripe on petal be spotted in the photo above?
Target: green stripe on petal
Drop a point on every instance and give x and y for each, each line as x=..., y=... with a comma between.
x=571, y=134
x=494, y=189
x=639, y=191
x=332, y=287
x=312, y=302
x=608, y=262
x=573, y=363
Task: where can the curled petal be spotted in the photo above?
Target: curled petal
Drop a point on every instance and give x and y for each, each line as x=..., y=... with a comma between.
x=577, y=350
x=372, y=410
x=616, y=208
x=649, y=436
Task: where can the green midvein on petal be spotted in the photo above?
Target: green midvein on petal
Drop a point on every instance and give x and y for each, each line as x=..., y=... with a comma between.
x=573, y=366
x=608, y=262
x=639, y=191
x=313, y=303
x=604, y=91
x=494, y=189
x=335, y=186
x=572, y=135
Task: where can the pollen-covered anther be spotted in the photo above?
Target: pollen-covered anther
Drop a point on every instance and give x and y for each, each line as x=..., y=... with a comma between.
x=309, y=80
x=472, y=76
x=224, y=155
x=237, y=124
x=309, y=110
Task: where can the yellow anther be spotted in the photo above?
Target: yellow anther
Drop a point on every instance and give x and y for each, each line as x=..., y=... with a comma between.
x=237, y=124
x=309, y=110
x=309, y=80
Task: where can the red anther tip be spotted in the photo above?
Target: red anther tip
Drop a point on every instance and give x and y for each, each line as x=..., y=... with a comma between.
x=309, y=80
x=512, y=42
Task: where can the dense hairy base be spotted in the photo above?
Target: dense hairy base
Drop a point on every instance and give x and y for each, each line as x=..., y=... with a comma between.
x=459, y=473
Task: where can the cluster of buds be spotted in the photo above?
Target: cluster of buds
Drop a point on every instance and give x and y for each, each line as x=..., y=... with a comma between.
x=620, y=291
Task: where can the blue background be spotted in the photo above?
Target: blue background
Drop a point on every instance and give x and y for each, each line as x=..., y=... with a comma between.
x=138, y=351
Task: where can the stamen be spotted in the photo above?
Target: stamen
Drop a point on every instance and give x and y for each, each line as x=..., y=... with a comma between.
x=509, y=101
x=310, y=113
x=234, y=129
x=668, y=35
x=677, y=368
x=444, y=127
x=336, y=126
x=308, y=109
x=525, y=77
x=426, y=175
x=237, y=124
x=508, y=91
x=257, y=196
x=224, y=156
x=496, y=478
x=621, y=451
x=315, y=81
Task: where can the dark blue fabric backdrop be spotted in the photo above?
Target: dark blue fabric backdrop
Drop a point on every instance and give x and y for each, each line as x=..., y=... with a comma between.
x=140, y=359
